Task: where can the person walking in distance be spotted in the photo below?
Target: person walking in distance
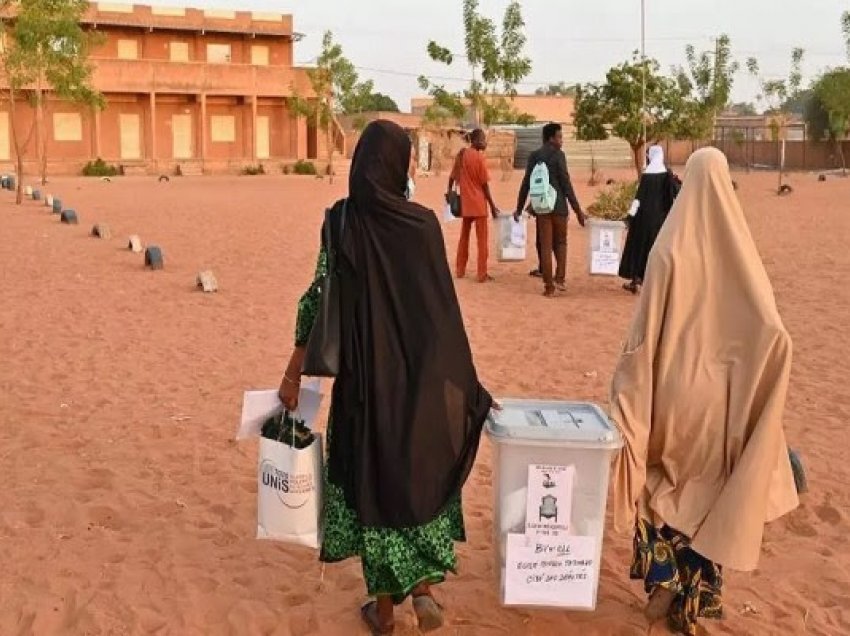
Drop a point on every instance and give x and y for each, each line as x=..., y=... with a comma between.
x=547, y=183
x=473, y=180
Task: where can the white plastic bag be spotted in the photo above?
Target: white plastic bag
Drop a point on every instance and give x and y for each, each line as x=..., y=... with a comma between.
x=511, y=239
x=289, y=492
x=448, y=217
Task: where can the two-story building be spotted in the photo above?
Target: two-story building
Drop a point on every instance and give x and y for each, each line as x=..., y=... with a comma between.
x=203, y=90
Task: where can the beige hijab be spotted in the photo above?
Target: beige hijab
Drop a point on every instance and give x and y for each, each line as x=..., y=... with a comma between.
x=700, y=389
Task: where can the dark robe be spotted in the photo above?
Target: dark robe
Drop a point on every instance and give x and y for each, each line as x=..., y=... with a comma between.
x=656, y=194
x=408, y=409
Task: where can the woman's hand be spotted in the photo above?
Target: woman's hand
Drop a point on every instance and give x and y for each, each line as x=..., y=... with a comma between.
x=290, y=385
x=289, y=391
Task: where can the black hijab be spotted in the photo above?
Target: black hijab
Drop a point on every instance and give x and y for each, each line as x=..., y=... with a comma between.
x=407, y=406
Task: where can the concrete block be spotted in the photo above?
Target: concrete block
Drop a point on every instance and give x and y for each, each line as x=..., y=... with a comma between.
x=207, y=282
x=153, y=258
x=69, y=217
x=135, y=244
x=27, y=191
x=57, y=206
x=36, y=195
x=101, y=230
x=48, y=201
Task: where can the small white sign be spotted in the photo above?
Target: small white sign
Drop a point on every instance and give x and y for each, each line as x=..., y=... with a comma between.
x=607, y=263
x=549, y=504
x=551, y=573
x=607, y=241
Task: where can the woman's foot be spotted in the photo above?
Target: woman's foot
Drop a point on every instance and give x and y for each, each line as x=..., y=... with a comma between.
x=633, y=287
x=378, y=616
x=659, y=604
x=429, y=614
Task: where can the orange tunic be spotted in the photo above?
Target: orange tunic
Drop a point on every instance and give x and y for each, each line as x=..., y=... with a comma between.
x=471, y=174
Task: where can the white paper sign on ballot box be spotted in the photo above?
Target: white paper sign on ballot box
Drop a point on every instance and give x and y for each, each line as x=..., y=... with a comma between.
x=550, y=572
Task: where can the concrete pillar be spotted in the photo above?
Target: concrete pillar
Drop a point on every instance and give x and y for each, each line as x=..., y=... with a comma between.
x=154, y=156
x=97, y=144
x=300, y=132
x=254, y=128
x=203, y=126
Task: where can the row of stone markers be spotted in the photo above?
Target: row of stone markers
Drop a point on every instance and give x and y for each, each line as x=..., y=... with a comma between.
x=153, y=254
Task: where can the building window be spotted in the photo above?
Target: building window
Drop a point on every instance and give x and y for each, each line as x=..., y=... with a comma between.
x=218, y=53
x=67, y=127
x=128, y=49
x=223, y=128
x=178, y=51
x=259, y=55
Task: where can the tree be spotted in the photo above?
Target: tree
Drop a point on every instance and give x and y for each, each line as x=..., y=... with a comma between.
x=828, y=111
x=742, y=109
x=616, y=106
x=446, y=110
x=559, y=89
x=498, y=59
x=776, y=94
x=46, y=52
x=708, y=82
x=845, y=30
x=336, y=89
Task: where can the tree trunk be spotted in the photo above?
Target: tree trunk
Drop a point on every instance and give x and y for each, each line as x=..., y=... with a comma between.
x=330, y=144
x=41, y=136
x=19, y=156
x=840, y=147
x=636, y=156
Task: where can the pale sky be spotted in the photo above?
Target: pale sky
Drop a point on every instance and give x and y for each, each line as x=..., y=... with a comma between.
x=568, y=40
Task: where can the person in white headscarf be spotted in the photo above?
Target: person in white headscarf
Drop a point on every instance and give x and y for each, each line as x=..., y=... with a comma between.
x=655, y=195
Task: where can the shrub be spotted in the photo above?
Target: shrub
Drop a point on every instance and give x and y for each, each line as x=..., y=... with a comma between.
x=254, y=170
x=99, y=168
x=613, y=202
x=304, y=168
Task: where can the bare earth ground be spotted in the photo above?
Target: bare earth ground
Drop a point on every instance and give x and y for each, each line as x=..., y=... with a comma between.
x=126, y=507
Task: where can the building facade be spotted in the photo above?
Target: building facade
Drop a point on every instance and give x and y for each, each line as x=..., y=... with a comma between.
x=198, y=90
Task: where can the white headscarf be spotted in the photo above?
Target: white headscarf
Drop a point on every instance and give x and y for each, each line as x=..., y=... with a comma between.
x=656, y=161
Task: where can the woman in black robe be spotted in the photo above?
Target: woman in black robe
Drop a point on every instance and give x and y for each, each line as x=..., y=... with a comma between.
x=407, y=407
x=655, y=195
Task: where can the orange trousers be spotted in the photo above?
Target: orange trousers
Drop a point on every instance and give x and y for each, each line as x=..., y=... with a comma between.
x=482, y=225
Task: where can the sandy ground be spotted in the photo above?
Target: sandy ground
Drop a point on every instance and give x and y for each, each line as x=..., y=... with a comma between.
x=127, y=508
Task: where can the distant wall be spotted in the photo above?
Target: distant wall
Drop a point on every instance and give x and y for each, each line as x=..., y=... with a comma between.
x=799, y=155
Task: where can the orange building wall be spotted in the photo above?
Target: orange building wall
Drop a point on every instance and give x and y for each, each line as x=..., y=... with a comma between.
x=110, y=130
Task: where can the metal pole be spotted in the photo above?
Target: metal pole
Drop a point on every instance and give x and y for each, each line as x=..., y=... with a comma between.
x=643, y=78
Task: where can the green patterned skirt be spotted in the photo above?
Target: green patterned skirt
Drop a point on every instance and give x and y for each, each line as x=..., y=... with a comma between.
x=394, y=561
x=664, y=558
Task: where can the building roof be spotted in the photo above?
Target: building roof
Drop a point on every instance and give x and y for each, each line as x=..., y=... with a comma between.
x=543, y=108
x=183, y=19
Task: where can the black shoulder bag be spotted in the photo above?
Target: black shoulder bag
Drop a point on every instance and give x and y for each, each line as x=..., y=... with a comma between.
x=322, y=357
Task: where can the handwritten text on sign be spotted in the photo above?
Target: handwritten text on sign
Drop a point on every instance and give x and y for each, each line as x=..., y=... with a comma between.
x=553, y=574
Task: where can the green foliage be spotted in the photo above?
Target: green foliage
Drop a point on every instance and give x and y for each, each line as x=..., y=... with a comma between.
x=497, y=58
x=828, y=111
x=707, y=85
x=617, y=106
x=561, y=89
x=743, y=109
x=302, y=167
x=845, y=31
x=99, y=168
x=253, y=171
x=46, y=51
x=777, y=92
x=613, y=202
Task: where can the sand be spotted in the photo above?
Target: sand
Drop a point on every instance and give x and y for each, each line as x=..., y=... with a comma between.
x=127, y=508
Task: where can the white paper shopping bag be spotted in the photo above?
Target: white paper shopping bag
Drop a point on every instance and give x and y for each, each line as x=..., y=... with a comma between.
x=448, y=217
x=289, y=492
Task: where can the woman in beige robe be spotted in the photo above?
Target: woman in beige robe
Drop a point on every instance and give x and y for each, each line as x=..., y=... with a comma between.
x=699, y=395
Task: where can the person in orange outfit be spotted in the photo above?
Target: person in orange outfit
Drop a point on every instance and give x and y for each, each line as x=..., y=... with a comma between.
x=473, y=180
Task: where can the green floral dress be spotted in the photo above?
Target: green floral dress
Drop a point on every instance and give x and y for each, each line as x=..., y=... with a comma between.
x=394, y=561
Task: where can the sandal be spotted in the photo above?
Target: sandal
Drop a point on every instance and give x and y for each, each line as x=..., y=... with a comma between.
x=369, y=614
x=659, y=604
x=429, y=614
x=535, y=273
